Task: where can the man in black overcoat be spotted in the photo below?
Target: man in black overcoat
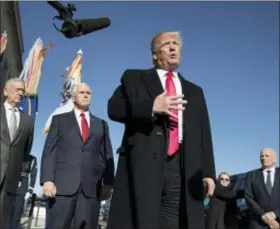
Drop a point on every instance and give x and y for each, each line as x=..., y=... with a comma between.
x=166, y=166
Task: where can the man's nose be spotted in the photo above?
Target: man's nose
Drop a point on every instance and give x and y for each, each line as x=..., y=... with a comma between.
x=172, y=47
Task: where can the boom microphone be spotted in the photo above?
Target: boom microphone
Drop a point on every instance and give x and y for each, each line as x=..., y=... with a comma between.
x=73, y=27
x=76, y=28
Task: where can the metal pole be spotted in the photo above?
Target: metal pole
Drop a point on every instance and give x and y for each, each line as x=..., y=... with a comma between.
x=38, y=208
x=30, y=215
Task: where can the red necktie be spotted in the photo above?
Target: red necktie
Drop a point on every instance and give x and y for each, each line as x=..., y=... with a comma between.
x=173, y=133
x=85, y=129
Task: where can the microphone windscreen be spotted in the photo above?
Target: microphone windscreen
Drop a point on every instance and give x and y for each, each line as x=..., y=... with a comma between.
x=91, y=25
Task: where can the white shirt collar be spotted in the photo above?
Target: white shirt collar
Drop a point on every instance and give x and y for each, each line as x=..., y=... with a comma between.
x=78, y=113
x=9, y=107
x=162, y=73
x=271, y=169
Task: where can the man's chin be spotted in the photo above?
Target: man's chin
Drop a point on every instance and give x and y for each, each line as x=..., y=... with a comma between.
x=173, y=65
x=18, y=102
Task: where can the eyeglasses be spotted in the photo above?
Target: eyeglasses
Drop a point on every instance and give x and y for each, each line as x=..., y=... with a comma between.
x=224, y=179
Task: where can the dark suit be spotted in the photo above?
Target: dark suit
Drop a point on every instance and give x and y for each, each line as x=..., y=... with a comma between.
x=77, y=169
x=13, y=154
x=29, y=170
x=136, y=200
x=259, y=200
x=223, y=209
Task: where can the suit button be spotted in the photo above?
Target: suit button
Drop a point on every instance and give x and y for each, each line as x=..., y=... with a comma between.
x=159, y=133
x=154, y=156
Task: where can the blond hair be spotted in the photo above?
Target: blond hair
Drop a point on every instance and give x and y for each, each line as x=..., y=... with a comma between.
x=223, y=173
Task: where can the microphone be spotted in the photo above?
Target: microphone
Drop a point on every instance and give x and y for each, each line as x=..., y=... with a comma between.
x=77, y=28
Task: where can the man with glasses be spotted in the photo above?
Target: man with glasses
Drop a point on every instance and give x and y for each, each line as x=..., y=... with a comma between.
x=223, y=209
x=262, y=192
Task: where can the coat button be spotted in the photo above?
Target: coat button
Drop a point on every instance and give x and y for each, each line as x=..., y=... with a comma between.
x=154, y=156
x=159, y=133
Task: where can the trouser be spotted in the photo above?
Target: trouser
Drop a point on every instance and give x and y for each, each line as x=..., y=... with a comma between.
x=17, y=211
x=6, y=202
x=77, y=210
x=172, y=212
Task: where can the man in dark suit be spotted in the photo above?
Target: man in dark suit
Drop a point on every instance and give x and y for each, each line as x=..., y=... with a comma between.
x=16, y=142
x=167, y=151
x=262, y=192
x=77, y=165
x=25, y=190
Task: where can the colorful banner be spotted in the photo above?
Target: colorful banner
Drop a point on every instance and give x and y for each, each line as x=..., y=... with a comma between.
x=4, y=41
x=74, y=76
x=31, y=74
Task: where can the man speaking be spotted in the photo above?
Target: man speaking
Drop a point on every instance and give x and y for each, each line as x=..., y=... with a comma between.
x=167, y=165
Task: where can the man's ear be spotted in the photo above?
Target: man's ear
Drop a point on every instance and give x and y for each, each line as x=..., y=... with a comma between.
x=5, y=92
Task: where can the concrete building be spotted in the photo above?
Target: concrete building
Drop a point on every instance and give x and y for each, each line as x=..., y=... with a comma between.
x=12, y=57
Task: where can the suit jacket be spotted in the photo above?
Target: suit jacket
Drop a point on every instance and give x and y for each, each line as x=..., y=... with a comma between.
x=69, y=163
x=28, y=176
x=223, y=208
x=259, y=200
x=14, y=153
x=138, y=182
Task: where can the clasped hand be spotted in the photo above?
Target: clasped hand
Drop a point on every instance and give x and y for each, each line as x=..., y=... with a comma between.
x=49, y=189
x=270, y=219
x=164, y=104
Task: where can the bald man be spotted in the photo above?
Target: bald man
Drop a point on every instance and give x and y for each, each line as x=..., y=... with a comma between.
x=262, y=192
x=77, y=166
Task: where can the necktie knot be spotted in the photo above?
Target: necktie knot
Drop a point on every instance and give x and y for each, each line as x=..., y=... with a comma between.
x=169, y=75
x=82, y=115
x=268, y=171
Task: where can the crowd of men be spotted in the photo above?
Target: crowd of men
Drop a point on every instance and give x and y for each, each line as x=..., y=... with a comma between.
x=166, y=163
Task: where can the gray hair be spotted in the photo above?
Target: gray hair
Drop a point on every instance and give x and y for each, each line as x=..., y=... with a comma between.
x=13, y=80
x=75, y=87
x=154, y=42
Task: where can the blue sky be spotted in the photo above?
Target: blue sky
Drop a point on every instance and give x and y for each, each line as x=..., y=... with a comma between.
x=230, y=49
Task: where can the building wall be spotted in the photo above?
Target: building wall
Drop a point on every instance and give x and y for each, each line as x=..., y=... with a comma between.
x=12, y=59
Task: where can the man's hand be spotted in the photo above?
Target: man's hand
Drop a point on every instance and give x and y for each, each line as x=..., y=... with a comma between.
x=49, y=189
x=105, y=193
x=273, y=224
x=164, y=104
x=269, y=216
x=270, y=219
x=209, y=186
x=27, y=195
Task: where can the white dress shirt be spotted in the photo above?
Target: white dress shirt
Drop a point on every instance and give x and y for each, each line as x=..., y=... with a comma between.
x=8, y=109
x=272, y=175
x=79, y=118
x=178, y=86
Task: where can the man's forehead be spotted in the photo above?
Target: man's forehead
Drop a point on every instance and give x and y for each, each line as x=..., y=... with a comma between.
x=267, y=152
x=83, y=88
x=16, y=85
x=167, y=37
